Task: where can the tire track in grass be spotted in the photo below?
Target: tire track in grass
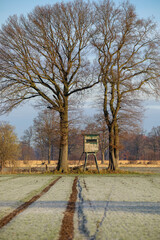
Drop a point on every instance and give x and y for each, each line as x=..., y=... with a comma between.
x=25, y=205
x=67, y=227
x=81, y=216
x=82, y=221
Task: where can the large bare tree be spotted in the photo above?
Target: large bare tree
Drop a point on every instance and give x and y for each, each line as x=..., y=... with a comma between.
x=46, y=55
x=128, y=53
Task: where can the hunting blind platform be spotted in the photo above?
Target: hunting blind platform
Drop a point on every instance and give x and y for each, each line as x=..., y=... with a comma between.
x=91, y=147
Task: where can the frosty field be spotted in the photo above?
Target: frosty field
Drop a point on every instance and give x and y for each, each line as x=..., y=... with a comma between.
x=14, y=190
x=108, y=207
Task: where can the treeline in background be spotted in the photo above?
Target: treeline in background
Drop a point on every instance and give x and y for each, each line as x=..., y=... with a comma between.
x=41, y=140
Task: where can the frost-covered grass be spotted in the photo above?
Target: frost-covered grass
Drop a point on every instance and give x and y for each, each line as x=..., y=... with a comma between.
x=15, y=190
x=109, y=207
x=146, y=169
x=7, y=177
x=42, y=220
x=114, y=208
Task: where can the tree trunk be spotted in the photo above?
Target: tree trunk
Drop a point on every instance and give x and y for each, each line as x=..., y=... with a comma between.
x=63, y=150
x=103, y=157
x=113, y=149
x=1, y=167
x=49, y=152
x=116, y=144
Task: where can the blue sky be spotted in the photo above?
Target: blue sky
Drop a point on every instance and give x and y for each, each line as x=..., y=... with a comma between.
x=145, y=8
x=22, y=117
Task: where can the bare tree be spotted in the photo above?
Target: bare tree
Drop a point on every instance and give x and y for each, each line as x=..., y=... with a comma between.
x=154, y=142
x=128, y=54
x=26, y=140
x=46, y=132
x=27, y=152
x=103, y=132
x=27, y=136
x=46, y=55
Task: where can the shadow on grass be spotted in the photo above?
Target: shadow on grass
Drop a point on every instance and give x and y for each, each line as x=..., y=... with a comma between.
x=139, y=207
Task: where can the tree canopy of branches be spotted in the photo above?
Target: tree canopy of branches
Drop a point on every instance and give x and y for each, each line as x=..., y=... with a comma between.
x=128, y=56
x=26, y=148
x=9, y=146
x=46, y=132
x=45, y=55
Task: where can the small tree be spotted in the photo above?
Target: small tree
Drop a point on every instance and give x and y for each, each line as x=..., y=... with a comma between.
x=26, y=148
x=9, y=146
x=154, y=142
x=27, y=152
x=133, y=146
x=46, y=132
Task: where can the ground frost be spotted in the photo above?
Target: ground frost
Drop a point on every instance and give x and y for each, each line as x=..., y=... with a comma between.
x=115, y=208
x=42, y=220
x=124, y=207
x=17, y=190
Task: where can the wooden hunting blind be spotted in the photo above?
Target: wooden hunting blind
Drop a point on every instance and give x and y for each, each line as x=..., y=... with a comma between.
x=91, y=143
x=91, y=146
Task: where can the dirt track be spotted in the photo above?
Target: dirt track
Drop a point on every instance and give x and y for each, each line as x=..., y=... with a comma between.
x=21, y=208
x=67, y=228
